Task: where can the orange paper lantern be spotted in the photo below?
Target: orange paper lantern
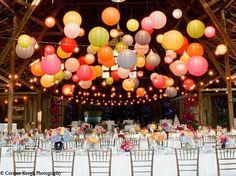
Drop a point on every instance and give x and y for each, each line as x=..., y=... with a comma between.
x=110, y=16
x=105, y=53
x=36, y=69
x=195, y=49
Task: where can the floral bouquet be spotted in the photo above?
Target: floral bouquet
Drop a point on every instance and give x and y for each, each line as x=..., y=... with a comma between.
x=99, y=130
x=77, y=130
x=144, y=131
x=186, y=137
x=159, y=136
x=85, y=126
x=59, y=134
x=19, y=141
x=152, y=127
x=224, y=140
x=126, y=146
x=166, y=127
x=92, y=140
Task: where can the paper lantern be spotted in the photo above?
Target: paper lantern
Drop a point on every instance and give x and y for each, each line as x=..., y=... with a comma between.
x=72, y=30
x=153, y=76
x=197, y=65
x=184, y=46
x=105, y=53
x=109, y=63
x=110, y=16
x=128, y=84
x=160, y=38
x=115, y=76
x=210, y=32
x=221, y=49
x=140, y=61
x=140, y=74
x=141, y=92
x=141, y=49
x=59, y=76
x=67, y=90
x=82, y=60
x=36, y=69
x=171, y=92
x=136, y=82
x=159, y=19
x=185, y=58
x=169, y=82
x=46, y=80
x=195, y=49
x=90, y=50
x=98, y=36
x=114, y=33
x=173, y=40
x=93, y=73
x=153, y=59
x=49, y=49
x=72, y=17
x=159, y=81
x=195, y=28
x=120, y=46
x=132, y=25
x=84, y=72
x=68, y=45
x=89, y=58
x=85, y=84
x=67, y=75
x=178, y=67
x=147, y=23
x=109, y=81
x=189, y=84
x=171, y=54
x=98, y=70
x=75, y=78
x=149, y=67
x=127, y=40
x=177, y=13
x=81, y=32
x=24, y=41
x=62, y=54
x=24, y=52
x=123, y=73
x=33, y=41
x=142, y=37
x=168, y=59
x=127, y=59
x=51, y=64
x=72, y=64
x=50, y=22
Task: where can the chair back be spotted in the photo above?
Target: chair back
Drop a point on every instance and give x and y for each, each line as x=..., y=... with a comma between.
x=44, y=144
x=24, y=161
x=63, y=161
x=210, y=140
x=71, y=144
x=142, y=162
x=32, y=144
x=135, y=142
x=226, y=160
x=100, y=162
x=232, y=138
x=108, y=142
x=187, y=160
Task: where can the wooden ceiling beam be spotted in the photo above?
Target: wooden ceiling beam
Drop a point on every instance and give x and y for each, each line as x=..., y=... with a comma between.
x=4, y=79
x=7, y=6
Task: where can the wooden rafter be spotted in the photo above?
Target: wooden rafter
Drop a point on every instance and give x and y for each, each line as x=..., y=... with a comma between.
x=4, y=79
x=7, y=6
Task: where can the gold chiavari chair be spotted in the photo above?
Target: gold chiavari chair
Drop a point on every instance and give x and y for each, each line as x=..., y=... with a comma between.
x=187, y=160
x=43, y=144
x=31, y=145
x=79, y=144
x=142, y=162
x=71, y=144
x=107, y=142
x=209, y=140
x=100, y=162
x=226, y=160
x=63, y=161
x=135, y=142
x=24, y=161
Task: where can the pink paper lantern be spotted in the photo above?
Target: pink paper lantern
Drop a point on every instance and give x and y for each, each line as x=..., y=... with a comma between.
x=84, y=72
x=159, y=82
x=168, y=60
x=147, y=23
x=210, y=31
x=159, y=19
x=140, y=74
x=85, y=84
x=51, y=64
x=123, y=73
x=153, y=76
x=141, y=49
x=197, y=65
x=178, y=67
x=72, y=64
x=75, y=78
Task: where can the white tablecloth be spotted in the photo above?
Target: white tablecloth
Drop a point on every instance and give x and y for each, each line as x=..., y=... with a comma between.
x=3, y=127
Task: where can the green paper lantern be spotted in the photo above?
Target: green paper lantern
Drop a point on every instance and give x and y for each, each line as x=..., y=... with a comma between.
x=98, y=36
x=195, y=28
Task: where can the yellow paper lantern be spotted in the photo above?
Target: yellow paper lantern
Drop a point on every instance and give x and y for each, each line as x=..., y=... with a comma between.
x=59, y=76
x=114, y=33
x=24, y=41
x=72, y=17
x=221, y=49
x=132, y=25
x=62, y=54
x=169, y=82
x=184, y=58
x=140, y=61
x=47, y=80
x=93, y=73
x=128, y=84
x=98, y=70
x=159, y=38
x=195, y=28
x=109, y=81
x=172, y=40
x=120, y=47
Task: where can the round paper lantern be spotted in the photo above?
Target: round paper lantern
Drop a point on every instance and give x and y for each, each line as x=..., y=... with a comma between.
x=147, y=23
x=120, y=46
x=160, y=38
x=81, y=32
x=141, y=92
x=93, y=74
x=141, y=49
x=115, y=76
x=159, y=81
x=98, y=70
x=178, y=68
x=140, y=61
x=82, y=60
x=50, y=22
x=46, y=80
x=168, y=59
x=197, y=65
x=49, y=49
x=67, y=75
x=159, y=19
x=24, y=52
x=149, y=67
x=68, y=45
x=171, y=54
x=171, y=92
x=169, y=82
x=153, y=76
x=36, y=69
x=210, y=32
x=127, y=40
x=89, y=58
x=177, y=13
x=142, y=37
x=114, y=33
x=195, y=49
x=173, y=40
x=132, y=25
x=62, y=54
x=90, y=50
x=128, y=84
x=185, y=58
x=67, y=90
x=110, y=63
x=75, y=78
x=221, y=49
x=195, y=28
x=98, y=36
x=140, y=74
x=109, y=81
x=123, y=73
x=59, y=76
x=153, y=59
x=110, y=16
x=184, y=46
x=72, y=17
x=24, y=41
x=85, y=84
x=105, y=53
x=127, y=59
x=189, y=84
x=51, y=64
x=33, y=41
x=72, y=30
x=72, y=64
x=84, y=72
x=136, y=82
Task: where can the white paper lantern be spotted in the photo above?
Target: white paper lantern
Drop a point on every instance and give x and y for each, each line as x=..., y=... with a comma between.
x=24, y=52
x=127, y=59
x=72, y=64
x=72, y=30
x=177, y=13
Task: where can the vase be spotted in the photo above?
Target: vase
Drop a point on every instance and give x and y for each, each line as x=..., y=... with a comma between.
x=58, y=145
x=223, y=145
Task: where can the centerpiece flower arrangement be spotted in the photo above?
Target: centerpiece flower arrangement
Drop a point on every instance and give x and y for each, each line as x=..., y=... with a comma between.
x=99, y=130
x=186, y=137
x=152, y=127
x=224, y=140
x=166, y=127
x=126, y=146
x=85, y=126
x=144, y=132
x=159, y=136
x=92, y=141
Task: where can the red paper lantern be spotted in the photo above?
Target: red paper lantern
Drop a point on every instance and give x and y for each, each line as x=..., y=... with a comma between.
x=184, y=46
x=68, y=45
x=49, y=49
x=115, y=76
x=189, y=84
x=75, y=78
x=67, y=90
x=51, y=64
x=197, y=65
x=140, y=92
x=159, y=82
x=149, y=67
x=84, y=72
x=82, y=60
